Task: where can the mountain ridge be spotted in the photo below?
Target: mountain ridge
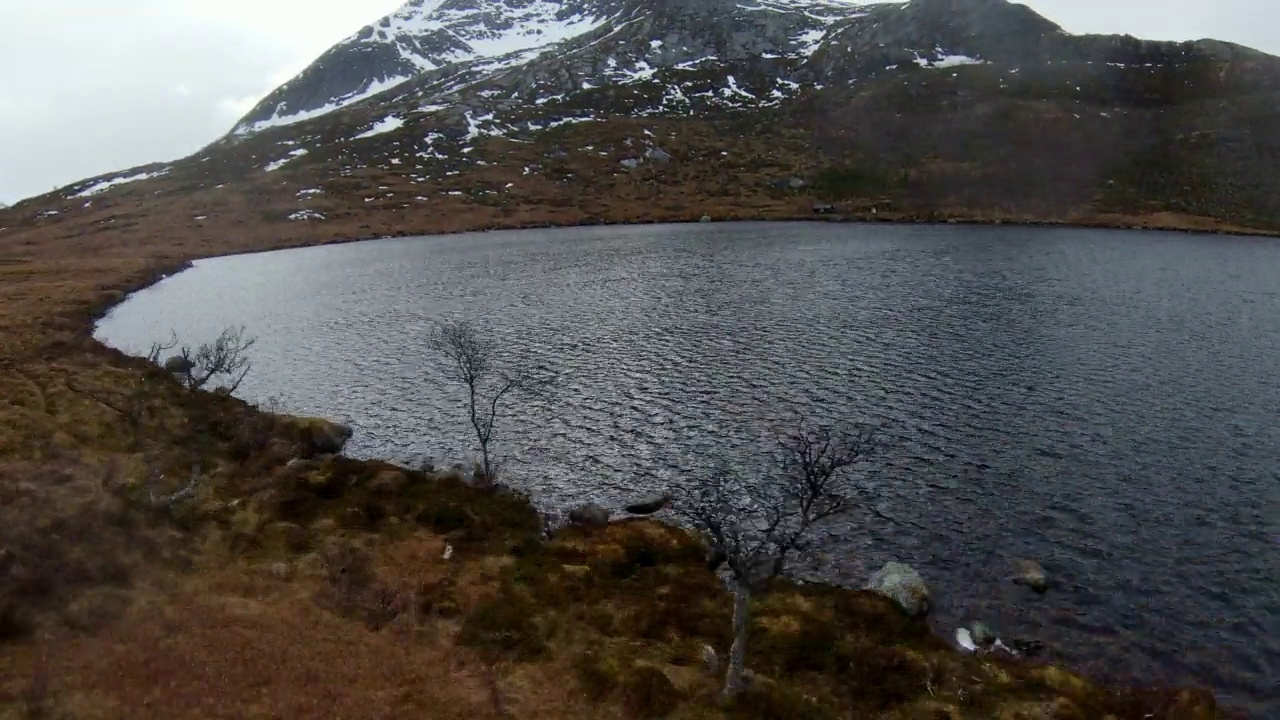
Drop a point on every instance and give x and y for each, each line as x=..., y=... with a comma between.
x=961, y=109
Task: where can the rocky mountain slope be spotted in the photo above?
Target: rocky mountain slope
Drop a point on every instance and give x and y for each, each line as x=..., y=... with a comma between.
x=451, y=114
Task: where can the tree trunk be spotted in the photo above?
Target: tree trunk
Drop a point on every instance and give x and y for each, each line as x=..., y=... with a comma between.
x=734, y=680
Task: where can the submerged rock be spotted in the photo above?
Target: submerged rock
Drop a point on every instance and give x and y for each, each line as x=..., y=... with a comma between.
x=1026, y=646
x=1032, y=575
x=902, y=584
x=649, y=505
x=590, y=514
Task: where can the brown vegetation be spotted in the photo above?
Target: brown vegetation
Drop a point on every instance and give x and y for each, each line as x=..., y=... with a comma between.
x=319, y=589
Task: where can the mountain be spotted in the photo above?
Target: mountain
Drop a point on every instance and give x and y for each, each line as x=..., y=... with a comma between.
x=466, y=114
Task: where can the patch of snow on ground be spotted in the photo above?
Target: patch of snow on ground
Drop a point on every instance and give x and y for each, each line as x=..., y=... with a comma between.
x=104, y=185
x=278, y=120
x=387, y=124
x=693, y=64
x=809, y=40
x=273, y=166
x=475, y=129
x=306, y=215
x=310, y=191
x=732, y=89
x=947, y=61
x=642, y=71
x=567, y=121
x=432, y=108
x=655, y=44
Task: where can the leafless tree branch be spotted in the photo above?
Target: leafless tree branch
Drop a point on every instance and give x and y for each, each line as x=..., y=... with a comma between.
x=159, y=348
x=225, y=357
x=753, y=525
x=476, y=361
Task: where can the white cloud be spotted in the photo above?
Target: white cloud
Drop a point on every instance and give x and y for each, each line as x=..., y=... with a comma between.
x=93, y=86
x=88, y=87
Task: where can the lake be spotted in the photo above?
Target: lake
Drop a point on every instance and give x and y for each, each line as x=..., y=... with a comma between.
x=1105, y=402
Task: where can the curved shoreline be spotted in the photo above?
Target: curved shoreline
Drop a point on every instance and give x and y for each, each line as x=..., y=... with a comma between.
x=108, y=295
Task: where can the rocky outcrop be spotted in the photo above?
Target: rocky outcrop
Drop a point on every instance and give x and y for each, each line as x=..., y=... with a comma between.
x=589, y=515
x=178, y=364
x=649, y=505
x=902, y=584
x=318, y=436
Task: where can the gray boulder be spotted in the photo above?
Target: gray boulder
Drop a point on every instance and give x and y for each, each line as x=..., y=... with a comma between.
x=658, y=155
x=1032, y=574
x=649, y=505
x=591, y=515
x=328, y=438
x=902, y=584
x=982, y=634
x=178, y=364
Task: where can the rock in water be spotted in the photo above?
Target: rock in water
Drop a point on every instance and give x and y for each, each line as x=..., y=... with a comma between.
x=649, y=505
x=590, y=514
x=1032, y=574
x=178, y=364
x=982, y=634
x=1027, y=647
x=902, y=584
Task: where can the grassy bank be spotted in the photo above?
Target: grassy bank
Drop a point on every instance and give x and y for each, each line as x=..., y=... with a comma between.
x=299, y=584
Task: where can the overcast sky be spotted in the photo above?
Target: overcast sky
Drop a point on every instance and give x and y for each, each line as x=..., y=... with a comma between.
x=92, y=86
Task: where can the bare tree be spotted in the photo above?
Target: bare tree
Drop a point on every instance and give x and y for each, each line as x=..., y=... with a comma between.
x=752, y=527
x=159, y=348
x=226, y=357
x=475, y=361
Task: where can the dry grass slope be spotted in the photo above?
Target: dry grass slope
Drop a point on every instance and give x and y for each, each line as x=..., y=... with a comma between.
x=318, y=589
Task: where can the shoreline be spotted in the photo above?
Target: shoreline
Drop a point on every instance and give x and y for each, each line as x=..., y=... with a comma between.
x=99, y=357
x=176, y=266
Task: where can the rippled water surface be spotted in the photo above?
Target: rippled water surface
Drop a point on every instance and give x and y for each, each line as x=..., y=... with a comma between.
x=1105, y=402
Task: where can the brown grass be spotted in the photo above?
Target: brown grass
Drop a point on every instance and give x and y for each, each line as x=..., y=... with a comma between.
x=319, y=590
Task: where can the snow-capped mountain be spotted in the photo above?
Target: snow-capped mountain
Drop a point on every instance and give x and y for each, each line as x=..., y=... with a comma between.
x=675, y=56
x=452, y=114
x=465, y=38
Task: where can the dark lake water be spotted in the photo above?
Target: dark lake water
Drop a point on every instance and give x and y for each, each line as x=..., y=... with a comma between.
x=1105, y=402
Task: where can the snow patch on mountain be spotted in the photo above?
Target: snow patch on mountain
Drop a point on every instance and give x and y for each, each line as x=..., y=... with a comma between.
x=284, y=117
x=273, y=166
x=391, y=123
x=947, y=61
x=105, y=185
x=533, y=25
